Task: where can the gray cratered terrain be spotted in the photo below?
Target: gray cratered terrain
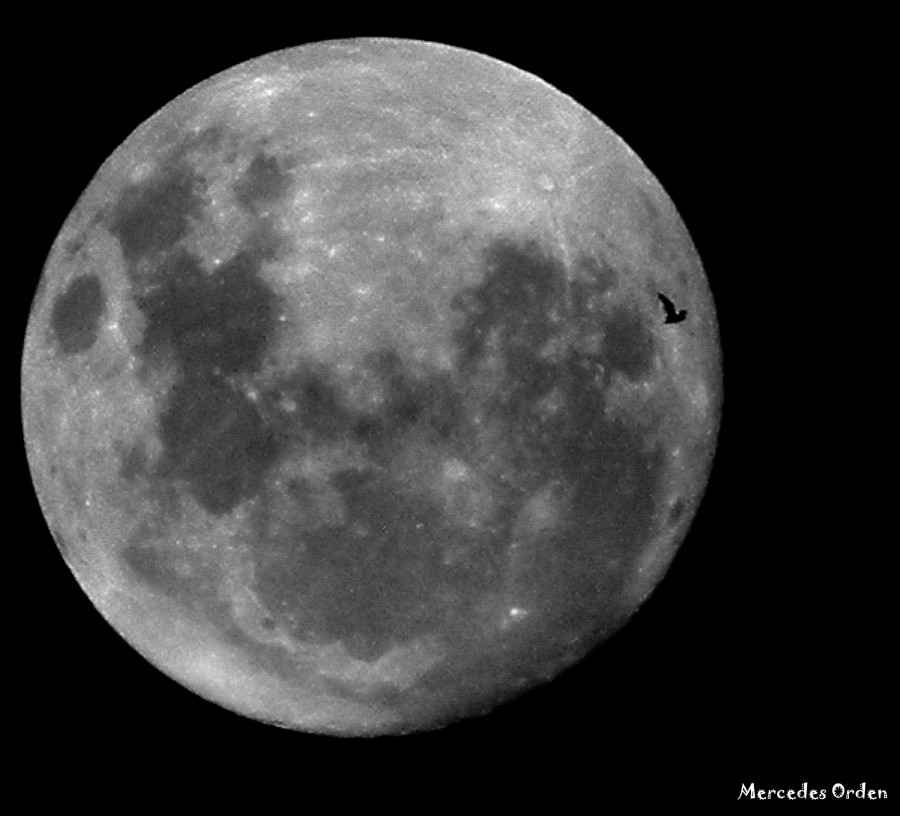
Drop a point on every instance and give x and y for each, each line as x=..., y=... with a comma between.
x=369, y=384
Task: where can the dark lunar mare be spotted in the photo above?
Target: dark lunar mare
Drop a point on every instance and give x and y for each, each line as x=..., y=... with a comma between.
x=375, y=580
x=150, y=217
x=76, y=314
x=525, y=301
x=213, y=328
x=262, y=184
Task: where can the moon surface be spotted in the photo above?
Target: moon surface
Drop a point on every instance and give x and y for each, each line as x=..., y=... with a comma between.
x=370, y=384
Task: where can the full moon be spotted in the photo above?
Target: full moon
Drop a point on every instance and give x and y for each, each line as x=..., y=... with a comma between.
x=370, y=384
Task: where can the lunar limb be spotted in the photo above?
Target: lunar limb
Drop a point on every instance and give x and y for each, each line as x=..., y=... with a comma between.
x=369, y=384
